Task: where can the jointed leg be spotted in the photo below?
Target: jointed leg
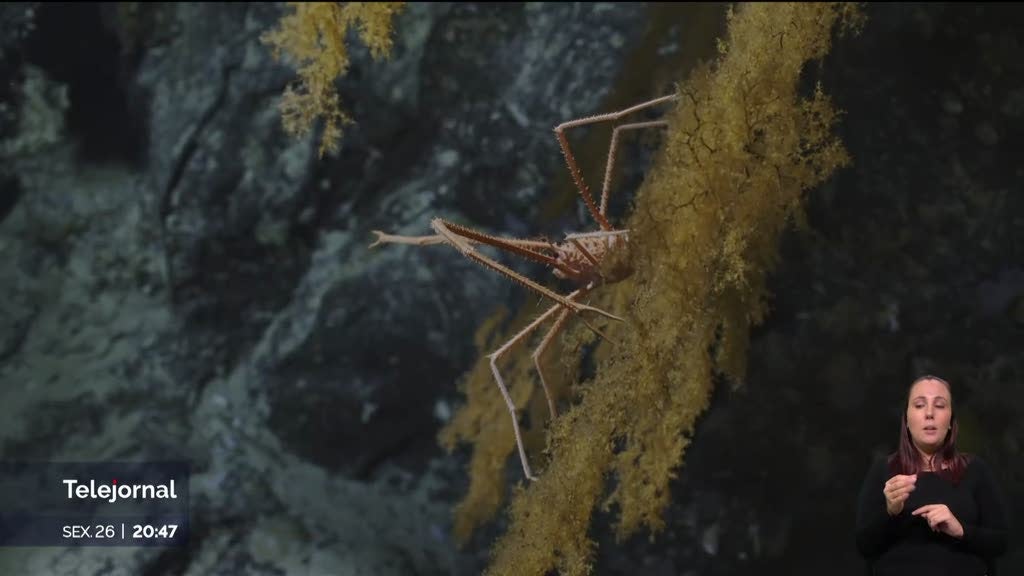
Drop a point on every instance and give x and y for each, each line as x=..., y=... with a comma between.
x=570, y=160
x=529, y=249
x=463, y=245
x=501, y=383
x=611, y=156
x=548, y=338
x=462, y=239
x=384, y=238
x=596, y=234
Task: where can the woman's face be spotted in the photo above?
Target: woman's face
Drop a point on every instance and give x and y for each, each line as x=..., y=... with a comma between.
x=929, y=414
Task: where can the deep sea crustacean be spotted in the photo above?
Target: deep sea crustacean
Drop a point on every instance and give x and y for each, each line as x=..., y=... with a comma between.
x=587, y=259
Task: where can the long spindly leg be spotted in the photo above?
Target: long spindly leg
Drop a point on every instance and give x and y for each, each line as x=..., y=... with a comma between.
x=612, y=148
x=570, y=160
x=596, y=234
x=494, y=356
x=536, y=250
x=548, y=338
x=385, y=238
x=461, y=238
x=461, y=243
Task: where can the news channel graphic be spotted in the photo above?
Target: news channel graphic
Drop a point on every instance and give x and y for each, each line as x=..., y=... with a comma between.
x=94, y=504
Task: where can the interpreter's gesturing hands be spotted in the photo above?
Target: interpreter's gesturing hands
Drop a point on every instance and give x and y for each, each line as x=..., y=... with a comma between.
x=940, y=519
x=897, y=490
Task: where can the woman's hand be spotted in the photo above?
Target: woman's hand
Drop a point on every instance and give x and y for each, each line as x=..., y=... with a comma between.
x=896, y=491
x=940, y=519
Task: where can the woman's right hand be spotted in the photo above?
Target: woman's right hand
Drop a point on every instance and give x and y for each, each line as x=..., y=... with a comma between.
x=896, y=491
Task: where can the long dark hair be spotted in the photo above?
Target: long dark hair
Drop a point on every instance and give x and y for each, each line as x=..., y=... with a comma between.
x=907, y=459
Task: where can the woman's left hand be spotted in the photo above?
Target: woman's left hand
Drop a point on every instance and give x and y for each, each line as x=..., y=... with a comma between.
x=940, y=519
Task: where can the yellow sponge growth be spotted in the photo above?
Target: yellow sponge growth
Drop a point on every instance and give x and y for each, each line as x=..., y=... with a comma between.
x=314, y=37
x=742, y=148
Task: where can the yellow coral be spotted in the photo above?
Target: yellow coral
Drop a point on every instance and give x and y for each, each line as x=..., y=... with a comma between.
x=742, y=148
x=314, y=37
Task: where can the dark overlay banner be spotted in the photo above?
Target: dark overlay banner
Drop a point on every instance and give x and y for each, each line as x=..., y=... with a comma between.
x=94, y=504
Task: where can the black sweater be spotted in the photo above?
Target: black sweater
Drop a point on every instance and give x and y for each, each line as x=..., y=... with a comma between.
x=905, y=545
